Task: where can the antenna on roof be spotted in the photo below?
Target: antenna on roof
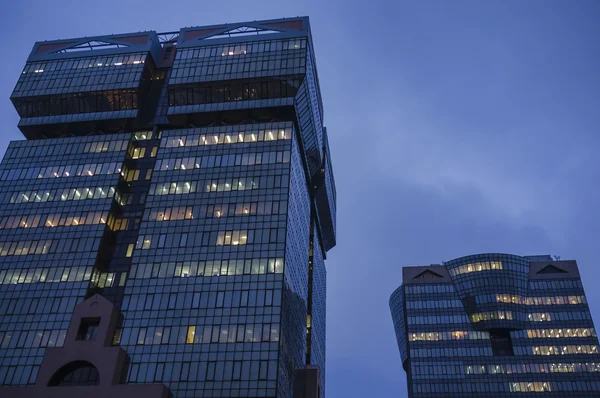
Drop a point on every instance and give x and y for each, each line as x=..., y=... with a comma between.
x=556, y=258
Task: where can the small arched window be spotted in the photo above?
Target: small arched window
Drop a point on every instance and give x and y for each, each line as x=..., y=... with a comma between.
x=78, y=373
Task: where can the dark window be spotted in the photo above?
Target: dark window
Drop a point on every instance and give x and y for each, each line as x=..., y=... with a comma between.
x=78, y=373
x=501, y=342
x=101, y=101
x=234, y=91
x=88, y=330
x=168, y=52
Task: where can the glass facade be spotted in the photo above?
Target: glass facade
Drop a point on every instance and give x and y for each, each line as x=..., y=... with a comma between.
x=188, y=180
x=496, y=324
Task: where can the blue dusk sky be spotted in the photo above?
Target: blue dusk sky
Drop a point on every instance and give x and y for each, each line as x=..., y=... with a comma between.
x=456, y=127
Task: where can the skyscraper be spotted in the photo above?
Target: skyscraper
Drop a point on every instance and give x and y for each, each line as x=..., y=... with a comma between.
x=185, y=177
x=491, y=325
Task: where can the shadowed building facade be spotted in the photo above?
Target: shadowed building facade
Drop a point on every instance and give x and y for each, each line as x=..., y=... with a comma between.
x=493, y=325
x=87, y=364
x=186, y=178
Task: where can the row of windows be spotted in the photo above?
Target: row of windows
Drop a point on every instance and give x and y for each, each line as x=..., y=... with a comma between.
x=475, y=335
x=32, y=338
x=237, y=91
x=130, y=198
x=218, y=238
x=220, y=185
x=429, y=304
x=276, y=65
x=52, y=195
x=254, y=266
x=437, y=370
x=241, y=184
x=539, y=317
x=475, y=267
x=75, y=82
x=107, y=279
x=559, y=316
x=450, y=352
x=202, y=371
x=437, y=319
x=229, y=238
x=140, y=152
x=24, y=248
x=68, y=104
x=532, y=386
x=180, y=187
x=214, y=299
x=217, y=211
x=146, y=135
x=532, y=317
x=134, y=174
x=35, y=85
x=454, y=335
x=425, y=289
x=84, y=63
x=18, y=374
x=41, y=149
x=246, y=159
x=547, y=300
x=501, y=298
x=241, y=48
x=47, y=305
x=105, y=146
x=232, y=333
x=559, y=350
x=556, y=284
x=246, y=333
x=445, y=370
x=80, y=170
x=117, y=223
x=62, y=171
x=226, y=138
x=29, y=247
x=499, y=315
x=45, y=275
x=53, y=220
x=491, y=316
x=491, y=387
x=491, y=282
x=524, y=368
x=559, y=333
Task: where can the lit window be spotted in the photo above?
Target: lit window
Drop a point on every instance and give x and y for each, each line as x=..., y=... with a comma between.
x=129, y=250
x=191, y=332
x=117, y=337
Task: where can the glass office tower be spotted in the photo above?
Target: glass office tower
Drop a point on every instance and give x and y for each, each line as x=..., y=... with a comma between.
x=186, y=177
x=495, y=325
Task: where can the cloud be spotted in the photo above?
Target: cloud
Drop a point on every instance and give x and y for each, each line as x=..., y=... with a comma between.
x=518, y=177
